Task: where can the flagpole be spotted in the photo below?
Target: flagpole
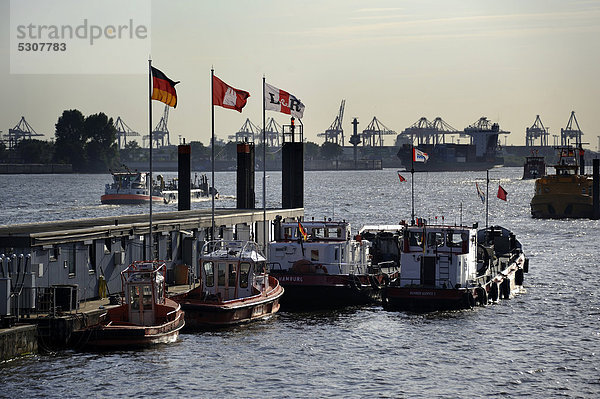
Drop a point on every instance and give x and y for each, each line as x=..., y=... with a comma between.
x=264, y=193
x=151, y=257
x=412, y=183
x=212, y=218
x=487, y=195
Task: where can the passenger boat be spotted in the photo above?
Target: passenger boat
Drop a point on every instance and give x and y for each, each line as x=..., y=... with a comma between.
x=565, y=194
x=455, y=267
x=321, y=265
x=199, y=189
x=146, y=316
x=534, y=167
x=235, y=287
x=130, y=188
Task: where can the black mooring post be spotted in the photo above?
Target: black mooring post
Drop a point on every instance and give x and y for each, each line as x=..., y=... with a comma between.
x=596, y=189
x=184, y=152
x=292, y=170
x=245, y=176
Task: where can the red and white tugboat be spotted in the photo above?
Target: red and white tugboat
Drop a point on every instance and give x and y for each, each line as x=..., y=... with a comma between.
x=320, y=265
x=235, y=287
x=145, y=318
x=455, y=267
x=130, y=188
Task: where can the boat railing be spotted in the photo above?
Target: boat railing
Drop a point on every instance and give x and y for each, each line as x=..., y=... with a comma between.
x=237, y=248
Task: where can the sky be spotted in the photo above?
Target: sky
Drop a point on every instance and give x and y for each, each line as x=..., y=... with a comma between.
x=397, y=60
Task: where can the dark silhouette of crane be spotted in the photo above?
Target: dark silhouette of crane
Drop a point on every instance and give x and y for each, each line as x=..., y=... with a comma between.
x=374, y=132
x=273, y=133
x=536, y=131
x=335, y=133
x=22, y=131
x=123, y=131
x=161, y=131
x=247, y=133
x=429, y=132
x=569, y=132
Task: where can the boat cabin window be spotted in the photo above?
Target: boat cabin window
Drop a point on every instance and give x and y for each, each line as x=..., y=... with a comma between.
x=221, y=269
x=455, y=239
x=147, y=296
x=134, y=297
x=260, y=268
x=232, y=276
x=244, y=271
x=415, y=238
x=209, y=274
x=314, y=255
x=435, y=239
x=288, y=232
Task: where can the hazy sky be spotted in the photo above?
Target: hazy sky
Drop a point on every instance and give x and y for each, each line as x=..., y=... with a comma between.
x=398, y=60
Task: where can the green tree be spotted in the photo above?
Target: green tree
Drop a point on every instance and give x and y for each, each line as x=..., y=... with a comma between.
x=35, y=151
x=69, y=146
x=100, y=143
x=331, y=150
x=132, y=151
x=311, y=150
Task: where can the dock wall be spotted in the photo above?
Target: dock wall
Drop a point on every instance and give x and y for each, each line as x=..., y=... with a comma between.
x=18, y=341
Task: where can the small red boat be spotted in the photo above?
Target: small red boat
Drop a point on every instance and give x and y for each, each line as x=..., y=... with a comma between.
x=145, y=318
x=235, y=287
x=130, y=188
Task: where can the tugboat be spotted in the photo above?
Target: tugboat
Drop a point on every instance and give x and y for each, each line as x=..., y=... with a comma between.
x=235, y=287
x=199, y=189
x=146, y=317
x=565, y=194
x=455, y=267
x=534, y=167
x=320, y=265
x=130, y=188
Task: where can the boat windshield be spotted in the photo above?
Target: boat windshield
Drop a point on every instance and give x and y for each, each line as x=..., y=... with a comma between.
x=209, y=274
x=244, y=271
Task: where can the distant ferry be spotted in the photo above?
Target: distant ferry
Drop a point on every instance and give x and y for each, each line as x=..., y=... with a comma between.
x=132, y=188
x=481, y=154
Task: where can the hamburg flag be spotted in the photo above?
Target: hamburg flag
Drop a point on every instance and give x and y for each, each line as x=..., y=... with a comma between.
x=401, y=177
x=163, y=88
x=228, y=97
x=282, y=101
x=480, y=193
x=419, y=156
x=501, y=193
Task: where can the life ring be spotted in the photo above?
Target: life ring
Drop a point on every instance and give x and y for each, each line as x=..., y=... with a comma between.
x=493, y=291
x=519, y=277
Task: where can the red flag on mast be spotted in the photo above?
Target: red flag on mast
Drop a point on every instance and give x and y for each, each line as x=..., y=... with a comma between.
x=227, y=96
x=501, y=193
x=402, y=179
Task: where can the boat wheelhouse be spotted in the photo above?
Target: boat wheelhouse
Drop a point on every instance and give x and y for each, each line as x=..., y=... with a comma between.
x=320, y=264
x=145, y=317
x=235, y=286
x=565, y=194
x=534, y=167
x=455, y=267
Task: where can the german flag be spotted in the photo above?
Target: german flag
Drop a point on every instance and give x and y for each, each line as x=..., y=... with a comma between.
x=163, y=88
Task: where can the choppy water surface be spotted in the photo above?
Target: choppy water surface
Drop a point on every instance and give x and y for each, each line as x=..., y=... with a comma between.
x=544, y=343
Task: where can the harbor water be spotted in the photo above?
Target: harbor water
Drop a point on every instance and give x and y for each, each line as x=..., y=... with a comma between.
x=542, y=343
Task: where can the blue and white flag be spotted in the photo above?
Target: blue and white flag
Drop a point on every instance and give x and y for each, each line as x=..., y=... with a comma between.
x=480, y=193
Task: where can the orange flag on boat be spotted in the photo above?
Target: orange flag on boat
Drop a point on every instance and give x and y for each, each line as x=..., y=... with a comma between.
x=302, y=231
x=163, y=88
x=501, y=193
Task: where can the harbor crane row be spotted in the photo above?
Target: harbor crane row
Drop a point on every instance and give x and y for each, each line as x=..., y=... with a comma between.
x=335, y=133
x=123, y=131
x=22, y=131
x=537, y=131
x=273, y=133
x=373, y=134
x=569, y=132
x=429, y=132
x=247, y=133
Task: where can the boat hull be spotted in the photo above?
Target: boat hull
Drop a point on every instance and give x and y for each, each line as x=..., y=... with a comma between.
x=448, y=158
x=128, y=199
x=504, y=285
x=561, y=206
x=204, y=314
x=311, y=290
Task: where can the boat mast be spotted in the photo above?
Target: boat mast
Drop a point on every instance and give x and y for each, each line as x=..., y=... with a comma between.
x=487, y=195
x=412, y=183
x=264, y=191
x=151, y=257
x=212, y=147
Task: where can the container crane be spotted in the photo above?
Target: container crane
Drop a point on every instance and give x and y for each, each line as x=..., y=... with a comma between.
x=123, y=131
x=335, y=133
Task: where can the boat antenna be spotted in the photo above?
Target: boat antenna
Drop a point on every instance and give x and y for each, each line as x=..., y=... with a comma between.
x=487, y=195
x=151, y=257
x=412, y=183
x=264, y=192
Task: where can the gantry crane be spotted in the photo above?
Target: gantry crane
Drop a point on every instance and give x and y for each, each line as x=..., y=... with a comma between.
x=161, y=131
x=123, y=131
x=335, y=133
x=536, y=131
x=372, y=135
x=569, y=132
x=247, y=133
x=22, y=131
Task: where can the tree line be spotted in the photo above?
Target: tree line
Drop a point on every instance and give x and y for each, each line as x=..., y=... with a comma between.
x=89, y=144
